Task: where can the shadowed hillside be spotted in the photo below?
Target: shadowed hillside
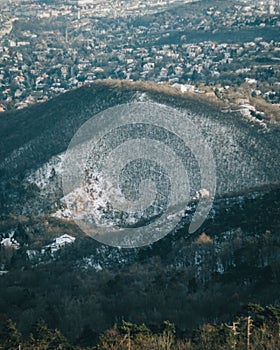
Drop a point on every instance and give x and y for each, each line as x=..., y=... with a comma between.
x=231, y=260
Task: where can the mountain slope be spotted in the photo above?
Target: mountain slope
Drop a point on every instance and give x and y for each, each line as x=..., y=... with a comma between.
x=246, y=155
x=232, y=259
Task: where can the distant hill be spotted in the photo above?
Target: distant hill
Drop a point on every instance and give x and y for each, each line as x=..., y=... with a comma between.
x=30, y=137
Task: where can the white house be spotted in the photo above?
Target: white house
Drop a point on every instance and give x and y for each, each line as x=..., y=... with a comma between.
x=59, y=242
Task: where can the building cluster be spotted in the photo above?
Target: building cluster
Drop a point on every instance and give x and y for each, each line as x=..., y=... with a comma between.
x=48, y=49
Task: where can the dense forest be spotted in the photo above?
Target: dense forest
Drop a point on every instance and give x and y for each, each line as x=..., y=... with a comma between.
x=91, y=296
x=256, y=328
x=189, y=280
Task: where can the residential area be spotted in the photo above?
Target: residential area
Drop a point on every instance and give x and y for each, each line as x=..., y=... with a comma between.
x=228, y=51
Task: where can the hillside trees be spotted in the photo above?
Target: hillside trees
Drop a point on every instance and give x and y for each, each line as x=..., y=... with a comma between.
x=10, y=337
x=256, y=328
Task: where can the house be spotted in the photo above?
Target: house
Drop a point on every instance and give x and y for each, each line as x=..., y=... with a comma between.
x=184, y=88
x=148, y=66
x=58, y=243
x=178, y=70
x=64, y=239
x=251, y=81
x=163, y=72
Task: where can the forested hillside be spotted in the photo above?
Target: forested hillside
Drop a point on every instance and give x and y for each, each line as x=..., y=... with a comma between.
x=201, y=283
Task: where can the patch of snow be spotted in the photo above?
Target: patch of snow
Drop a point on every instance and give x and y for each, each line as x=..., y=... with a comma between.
x=10, y=242
x=90, y=263
x=32, y=254
x=91, y=201
x=42, y=176
x=203, y=193
x=220, y=267
x=12, y=158
x=141, y=97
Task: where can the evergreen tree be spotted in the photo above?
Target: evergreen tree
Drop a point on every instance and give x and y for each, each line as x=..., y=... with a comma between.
x=44, y=338
x=10, y=337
